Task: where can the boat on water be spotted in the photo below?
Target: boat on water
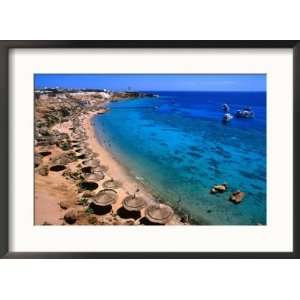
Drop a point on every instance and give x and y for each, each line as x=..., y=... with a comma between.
x=226, y=107
x=227, y=118
x=246, y=113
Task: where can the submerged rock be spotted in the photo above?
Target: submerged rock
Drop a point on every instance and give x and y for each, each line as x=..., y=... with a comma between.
x=219, y=188
x=237, y=197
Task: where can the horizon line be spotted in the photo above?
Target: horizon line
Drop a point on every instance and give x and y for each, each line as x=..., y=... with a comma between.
x=132, y=91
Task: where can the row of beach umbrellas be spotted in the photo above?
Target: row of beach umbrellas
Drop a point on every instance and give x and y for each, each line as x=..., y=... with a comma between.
x=156, y=213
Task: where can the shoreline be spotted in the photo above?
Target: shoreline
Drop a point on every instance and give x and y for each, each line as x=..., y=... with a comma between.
x=116, y=169
x=60, y=194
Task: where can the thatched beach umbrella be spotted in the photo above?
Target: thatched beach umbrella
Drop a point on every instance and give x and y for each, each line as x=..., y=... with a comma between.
x=87, y=153
x=77, y=133
x=159, y=213
x=91, y=163
x=87, y=149
x=79, y=130
x=111, y=184
x=101, y=168
x=94, y=177
x=60, y=161
x=83, y=137
x=77, y=150
x=37, y=160
x=75, y=137
x=81, y=152
x=75, y=142
x=91, y=154
x=94, y=155
x=105, y=197
x=133, y=203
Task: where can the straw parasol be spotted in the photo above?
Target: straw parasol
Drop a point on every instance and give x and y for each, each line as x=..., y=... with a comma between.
x=88, y=155
x=75, y=137
x=74, y=141
x=80, y=154
x=105, y=197
x=91, y=163
x=37, y=160
x=87, y=152
x=61, y=161
x=159, y=213
x=94, y=155
x=133, y=203
x=87, y=149
x=94, y=177
x=83, y=138
x=111, y=184
x=101, y=168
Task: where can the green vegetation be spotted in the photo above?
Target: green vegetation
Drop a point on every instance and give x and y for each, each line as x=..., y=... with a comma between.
x=89, y=211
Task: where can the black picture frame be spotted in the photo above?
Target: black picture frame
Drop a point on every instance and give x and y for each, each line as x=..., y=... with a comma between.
x=5, y=47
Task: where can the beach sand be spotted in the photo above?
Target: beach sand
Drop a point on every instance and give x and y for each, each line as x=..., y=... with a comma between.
x=115, y=169
x=52, y=189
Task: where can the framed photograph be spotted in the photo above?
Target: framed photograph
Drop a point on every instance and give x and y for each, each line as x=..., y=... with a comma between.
x=149, y=149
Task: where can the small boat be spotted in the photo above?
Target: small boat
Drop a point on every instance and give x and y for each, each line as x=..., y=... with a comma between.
x=227, y=117
x=226, y=107
x=246, y=113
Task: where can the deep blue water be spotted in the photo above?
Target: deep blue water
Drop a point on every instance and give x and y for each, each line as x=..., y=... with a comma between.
x=177, y=145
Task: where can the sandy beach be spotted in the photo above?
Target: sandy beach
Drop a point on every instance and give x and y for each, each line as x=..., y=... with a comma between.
x=115, y=170
x=55, y=194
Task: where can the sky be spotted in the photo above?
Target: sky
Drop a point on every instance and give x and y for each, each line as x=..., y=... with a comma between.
x=155, y=82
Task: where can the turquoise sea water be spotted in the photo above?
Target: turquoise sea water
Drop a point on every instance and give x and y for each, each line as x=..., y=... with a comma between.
x=177, y=145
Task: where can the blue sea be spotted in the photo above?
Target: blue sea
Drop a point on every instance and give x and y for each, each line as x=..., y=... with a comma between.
x=178, y=147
